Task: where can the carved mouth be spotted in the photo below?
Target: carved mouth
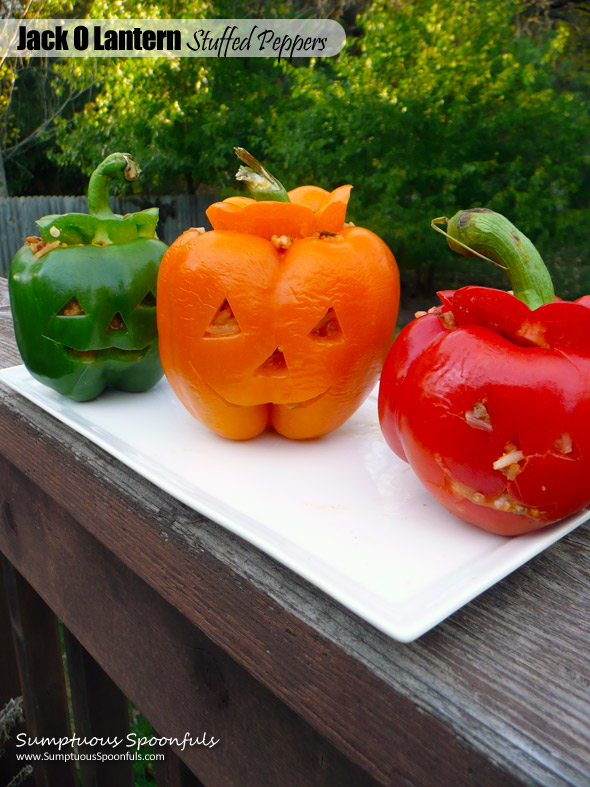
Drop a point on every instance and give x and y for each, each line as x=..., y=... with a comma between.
x=106, y=354
x=288, y=405
x=307, y=402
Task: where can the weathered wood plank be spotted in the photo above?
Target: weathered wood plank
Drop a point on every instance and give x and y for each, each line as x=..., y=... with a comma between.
x=100, y=711
x=40, y=666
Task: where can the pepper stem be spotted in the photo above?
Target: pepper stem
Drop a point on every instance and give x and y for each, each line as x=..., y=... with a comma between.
x=262, y=185
x=117, y=166
x=481, y=231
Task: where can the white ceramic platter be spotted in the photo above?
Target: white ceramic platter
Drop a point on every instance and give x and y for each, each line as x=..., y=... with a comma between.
x=343, y=512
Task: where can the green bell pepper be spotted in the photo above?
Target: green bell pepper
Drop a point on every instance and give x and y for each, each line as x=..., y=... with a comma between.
x=83, y=294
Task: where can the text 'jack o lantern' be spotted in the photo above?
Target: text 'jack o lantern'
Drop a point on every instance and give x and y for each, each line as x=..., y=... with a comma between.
x=281, y=316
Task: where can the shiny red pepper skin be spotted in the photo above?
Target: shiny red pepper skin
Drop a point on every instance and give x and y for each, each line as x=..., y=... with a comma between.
x=483, y=381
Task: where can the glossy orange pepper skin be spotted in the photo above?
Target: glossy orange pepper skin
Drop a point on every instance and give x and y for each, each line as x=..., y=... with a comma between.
x=309, y=309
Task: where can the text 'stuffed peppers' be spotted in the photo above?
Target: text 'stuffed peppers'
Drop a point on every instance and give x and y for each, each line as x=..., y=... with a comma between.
x=83, y=294
x=487, y=396
x=281, y=316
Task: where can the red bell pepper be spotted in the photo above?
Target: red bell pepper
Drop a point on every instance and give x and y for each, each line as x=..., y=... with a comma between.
x=487, y=396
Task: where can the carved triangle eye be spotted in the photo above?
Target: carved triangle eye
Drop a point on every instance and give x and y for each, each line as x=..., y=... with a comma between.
x=71, y=309
x=149, y=301
x=117, y=325
x=328, y=327
x=223, y=323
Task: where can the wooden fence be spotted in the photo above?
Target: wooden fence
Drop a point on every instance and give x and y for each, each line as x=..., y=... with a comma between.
x=18, y=215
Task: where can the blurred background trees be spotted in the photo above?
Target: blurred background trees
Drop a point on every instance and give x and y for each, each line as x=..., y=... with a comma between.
x=433, y=106
x=33, y=94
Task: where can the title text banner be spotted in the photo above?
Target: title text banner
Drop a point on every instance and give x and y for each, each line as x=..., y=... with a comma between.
x=283, y=39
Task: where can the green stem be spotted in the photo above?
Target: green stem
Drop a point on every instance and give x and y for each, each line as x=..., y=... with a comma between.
x=262, y=185
x=117, y=166
x=485, y=232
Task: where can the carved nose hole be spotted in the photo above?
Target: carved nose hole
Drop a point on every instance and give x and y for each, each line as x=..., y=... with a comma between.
x=274, y=366
x=223, y=323
x=117, y=325
x=328, y=327
x=71, y=309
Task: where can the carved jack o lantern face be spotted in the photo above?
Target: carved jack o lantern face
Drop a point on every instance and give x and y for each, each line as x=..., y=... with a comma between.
x=87, y=317
x=279, y=331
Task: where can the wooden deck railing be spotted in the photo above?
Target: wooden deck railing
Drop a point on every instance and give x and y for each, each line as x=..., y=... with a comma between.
x=32, y=661
x=206, y=634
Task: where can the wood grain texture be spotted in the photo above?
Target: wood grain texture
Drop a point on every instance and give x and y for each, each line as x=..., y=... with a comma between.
x=498, y=694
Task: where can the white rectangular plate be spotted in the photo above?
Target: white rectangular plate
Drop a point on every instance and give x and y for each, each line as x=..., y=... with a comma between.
x=342, y=511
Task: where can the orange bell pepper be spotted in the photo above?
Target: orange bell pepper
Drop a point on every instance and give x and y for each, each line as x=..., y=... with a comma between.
x=279, y=317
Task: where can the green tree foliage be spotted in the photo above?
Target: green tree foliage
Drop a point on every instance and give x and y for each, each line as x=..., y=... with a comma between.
x=32, y=95
x=443, y=106
x=437, y=106
x=181, y=117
